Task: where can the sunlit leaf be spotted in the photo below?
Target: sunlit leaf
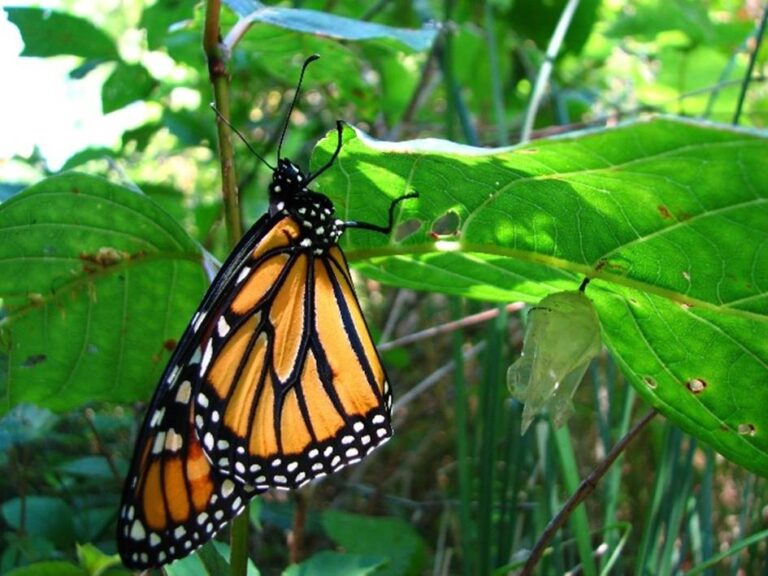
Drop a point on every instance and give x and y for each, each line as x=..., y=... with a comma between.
x=97, y=284
x=669, y=217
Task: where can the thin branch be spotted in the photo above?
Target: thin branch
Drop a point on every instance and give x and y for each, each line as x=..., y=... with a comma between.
x=448, y=327
x=217, y=56
x=584, y=490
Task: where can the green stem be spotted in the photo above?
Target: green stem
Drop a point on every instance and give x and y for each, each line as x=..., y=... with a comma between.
x=542, y=79
x=217, y=72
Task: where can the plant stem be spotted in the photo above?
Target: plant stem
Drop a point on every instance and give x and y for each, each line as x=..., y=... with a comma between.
x=217, y=71
x=752, y=58
x=216, y=56
x=542, y=79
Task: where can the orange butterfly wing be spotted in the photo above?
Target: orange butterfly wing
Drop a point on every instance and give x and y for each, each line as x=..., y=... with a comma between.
x=293, y=387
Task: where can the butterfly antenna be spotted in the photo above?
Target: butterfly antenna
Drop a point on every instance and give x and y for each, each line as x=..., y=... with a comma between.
x=307, y=62
x=242, y=138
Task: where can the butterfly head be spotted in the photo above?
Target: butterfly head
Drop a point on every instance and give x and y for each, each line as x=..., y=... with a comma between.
x=288, y=181
x=313, y=212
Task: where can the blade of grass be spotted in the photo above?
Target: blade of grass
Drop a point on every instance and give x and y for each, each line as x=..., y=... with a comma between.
x=489, y=417
x=579, y=521
x=468, y=550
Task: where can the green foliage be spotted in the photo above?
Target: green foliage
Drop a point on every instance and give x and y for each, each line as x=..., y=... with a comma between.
x=100, y=271
x=390, y=538
x=96, y=279
x=127, y=83
x=51, y=33
x=668, y=217
x=330, y=564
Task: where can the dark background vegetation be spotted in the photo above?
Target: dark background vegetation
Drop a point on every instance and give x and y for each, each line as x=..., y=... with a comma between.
x=458, y=490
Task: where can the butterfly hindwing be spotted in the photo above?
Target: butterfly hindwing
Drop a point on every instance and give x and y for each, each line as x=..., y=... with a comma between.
x=173, y=499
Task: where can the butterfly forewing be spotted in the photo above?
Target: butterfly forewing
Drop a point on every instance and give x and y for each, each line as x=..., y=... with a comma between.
x=295, y=389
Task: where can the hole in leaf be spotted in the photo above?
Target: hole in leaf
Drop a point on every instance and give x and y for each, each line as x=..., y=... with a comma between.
x=446, y=225
x=650, y=382
x=746, y=429
x=406, y=228
x=696, y=385
x=34, y=360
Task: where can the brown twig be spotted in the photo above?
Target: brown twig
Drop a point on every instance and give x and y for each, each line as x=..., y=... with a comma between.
x=296, y=541
x=584, y=490
x=217, y=56
x=448, y=327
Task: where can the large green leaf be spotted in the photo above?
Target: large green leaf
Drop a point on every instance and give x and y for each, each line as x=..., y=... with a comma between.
x=127, y=83
x=96, y=281
x=392, y=539
x=50, y=33
x=670, y=218
x=325, y=24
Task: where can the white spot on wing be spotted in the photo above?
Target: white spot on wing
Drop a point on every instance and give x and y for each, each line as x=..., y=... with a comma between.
x=137, y=530
x=227, y=487
x=184, y=392
x=207, y=355
x=173, y=441
x=157, y=446
x=157, y=417
x=200, y=317
x=243, y=274
x=222, y=327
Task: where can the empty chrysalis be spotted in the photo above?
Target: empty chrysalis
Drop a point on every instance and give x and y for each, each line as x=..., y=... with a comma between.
x=562, y=337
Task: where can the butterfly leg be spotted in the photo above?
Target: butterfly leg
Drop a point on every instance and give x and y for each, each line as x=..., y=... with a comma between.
x=391, y=220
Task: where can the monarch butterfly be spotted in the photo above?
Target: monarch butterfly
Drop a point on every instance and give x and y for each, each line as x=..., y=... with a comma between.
x=276, y=380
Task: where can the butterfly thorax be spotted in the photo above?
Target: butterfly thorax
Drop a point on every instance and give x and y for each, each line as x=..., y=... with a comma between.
x=313, y=212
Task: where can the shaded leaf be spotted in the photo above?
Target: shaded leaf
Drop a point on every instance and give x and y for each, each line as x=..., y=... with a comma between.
x=25, y=423
x=41, y=516
x=332, y=563
x=325, y=24
x=56, y=568
x=97, y=282
x=51, y=33
x=160, y=16
x=127, y=83
x=88, y=466
x=380, y=538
